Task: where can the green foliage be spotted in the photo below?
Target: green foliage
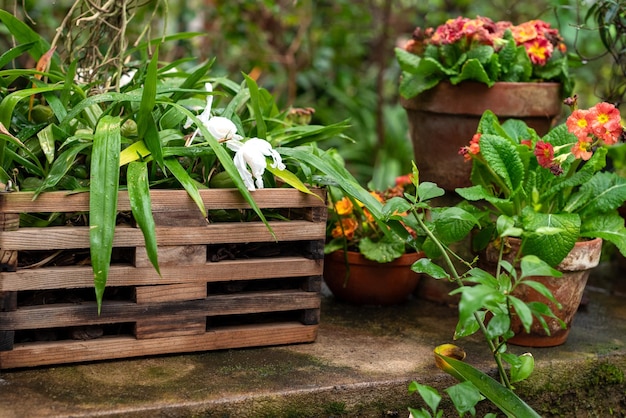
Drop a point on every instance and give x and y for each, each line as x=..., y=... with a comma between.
x=550, y=211
x=138, y=138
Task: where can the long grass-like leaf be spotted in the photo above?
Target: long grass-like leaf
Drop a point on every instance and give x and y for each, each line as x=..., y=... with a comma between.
x=104, y=185
x=140, y=204
x=60, y=167
x=255, y=102
x=187, y=182
x=13, y=53
x=501, y=396
x=24, y=34
x=10, y=101
x=146, y=126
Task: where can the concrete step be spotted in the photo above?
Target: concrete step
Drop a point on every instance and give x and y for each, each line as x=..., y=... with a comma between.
x=360, y=366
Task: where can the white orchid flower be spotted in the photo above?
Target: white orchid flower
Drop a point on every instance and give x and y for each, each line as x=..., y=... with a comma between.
x=204, y=117
x=252, y=153
x=222, y=129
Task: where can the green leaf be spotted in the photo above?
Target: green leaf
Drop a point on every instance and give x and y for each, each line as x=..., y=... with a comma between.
x=146, y=125
x=255, y=102
x=430, y=395
x=24, y=34
x=505, y=399
x=427, y=266
x=383, y=250
x=46, y=142
x=464, y=396
x=502, y=156
x=523, y=368
x=290, y=178
x=608, y=226
x=61, y=165
x=187, y=182
x=428, y=190
x=453, y=224
x=104, y=186
x=141, y=207
x=522, y=310
x=549, y=236
x=534, y=266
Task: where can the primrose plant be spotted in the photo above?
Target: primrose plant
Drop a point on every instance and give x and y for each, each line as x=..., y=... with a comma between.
x=487, y=304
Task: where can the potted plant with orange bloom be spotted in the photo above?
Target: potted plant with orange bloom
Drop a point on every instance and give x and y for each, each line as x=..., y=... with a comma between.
x=366, y=262
x=550, y=195
x=453, y=73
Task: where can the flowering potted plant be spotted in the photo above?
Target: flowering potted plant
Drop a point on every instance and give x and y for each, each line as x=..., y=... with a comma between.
x=366, y=262
x=485, y=51
x=453, y=73
x=551, y=192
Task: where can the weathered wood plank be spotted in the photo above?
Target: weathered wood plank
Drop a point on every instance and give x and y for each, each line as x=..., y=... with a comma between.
x=219, y=233
x=57, y=352
x=64, y=314
x=172, y=326
x=71, y=277
x=163, y=200
x=170, y=292
x=173, y=255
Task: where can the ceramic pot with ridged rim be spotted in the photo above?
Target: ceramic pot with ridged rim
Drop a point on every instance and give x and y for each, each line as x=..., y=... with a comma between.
x=567, y=289
x=369, y=282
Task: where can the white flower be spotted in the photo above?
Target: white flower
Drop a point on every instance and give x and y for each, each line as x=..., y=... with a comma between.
x=222, y=129
x=253, y=153
x=204, y=117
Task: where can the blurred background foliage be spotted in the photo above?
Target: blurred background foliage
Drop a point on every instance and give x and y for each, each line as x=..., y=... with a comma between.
x=336, y=55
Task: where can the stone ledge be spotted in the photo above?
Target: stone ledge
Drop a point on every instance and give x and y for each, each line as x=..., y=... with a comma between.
x=360, y=366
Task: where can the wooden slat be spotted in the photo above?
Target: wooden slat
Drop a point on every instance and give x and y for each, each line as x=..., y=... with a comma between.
x=71, y=277
x=21, y=202
x=62, y=315
x=172, y=255
x=172, y=326
x=219, y=233
x=57, y=352
x=170, y=292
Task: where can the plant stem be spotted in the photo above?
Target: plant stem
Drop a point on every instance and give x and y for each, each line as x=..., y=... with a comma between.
x=455, y=275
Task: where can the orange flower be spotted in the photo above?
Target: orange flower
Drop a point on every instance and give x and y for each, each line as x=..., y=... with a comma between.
x=539, y=50
x=345, y=228
x=472, y=149
x=582, y=150
x=578, y=124
x=604, y=119
x=344, y=207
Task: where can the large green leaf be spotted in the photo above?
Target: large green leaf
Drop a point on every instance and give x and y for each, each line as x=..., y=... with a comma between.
x=502, y=156
x=104, y=185
x=550, y=236
x=140, y=205
x=505, y=399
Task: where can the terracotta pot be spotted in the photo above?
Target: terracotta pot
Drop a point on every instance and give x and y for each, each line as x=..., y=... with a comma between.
x=369, y=282
x=444, y=119
x=568, y=290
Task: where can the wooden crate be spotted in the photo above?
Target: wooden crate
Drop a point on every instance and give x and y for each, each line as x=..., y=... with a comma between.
x=223, y=284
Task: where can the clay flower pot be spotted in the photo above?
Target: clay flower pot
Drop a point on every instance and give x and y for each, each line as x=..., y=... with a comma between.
x=444, y=118
x=370, y=282
x=568, y=290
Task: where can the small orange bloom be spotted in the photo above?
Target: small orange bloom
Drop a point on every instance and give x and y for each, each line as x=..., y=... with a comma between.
x=539, y=50
x=578, y=124
x=344, y=207
x=582, y=150
x=345, y=228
